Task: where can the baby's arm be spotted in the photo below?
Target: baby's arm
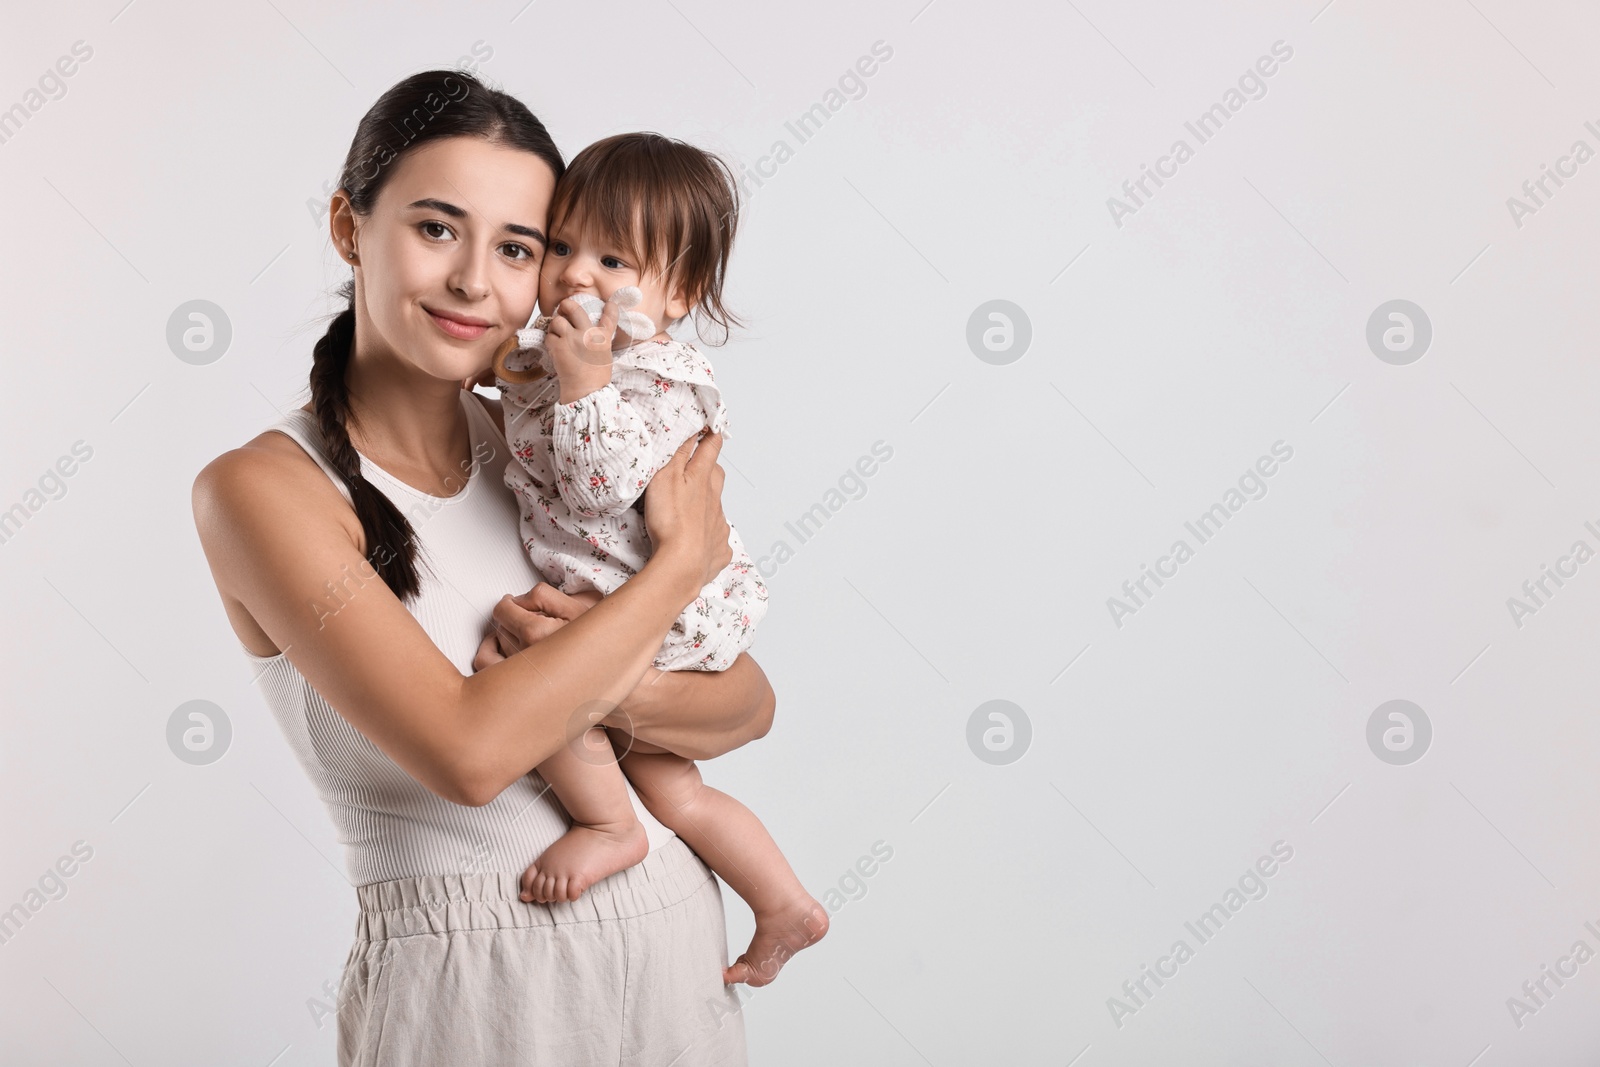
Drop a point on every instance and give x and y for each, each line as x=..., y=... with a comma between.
x=609, y=443
x=605, y=451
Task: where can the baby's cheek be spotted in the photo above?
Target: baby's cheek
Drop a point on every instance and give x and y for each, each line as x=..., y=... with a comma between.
x=546, y=288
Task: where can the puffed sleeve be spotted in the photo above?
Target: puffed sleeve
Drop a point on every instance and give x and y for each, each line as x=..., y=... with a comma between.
x=609, y=444
x=604, y=451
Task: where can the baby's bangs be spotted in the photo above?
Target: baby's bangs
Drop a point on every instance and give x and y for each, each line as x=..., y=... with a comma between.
x=614, y=208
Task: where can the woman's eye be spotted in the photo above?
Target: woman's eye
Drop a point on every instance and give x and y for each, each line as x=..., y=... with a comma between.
x=429, y=227
x=519, y=251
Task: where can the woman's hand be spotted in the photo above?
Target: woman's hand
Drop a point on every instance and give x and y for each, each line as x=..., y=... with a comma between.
x=683, y=510
x=520, y=621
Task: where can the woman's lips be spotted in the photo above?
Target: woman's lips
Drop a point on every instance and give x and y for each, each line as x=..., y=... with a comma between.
x=463, y=331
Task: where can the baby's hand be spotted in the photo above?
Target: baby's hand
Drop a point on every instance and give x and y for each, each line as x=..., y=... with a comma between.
x=580, y=348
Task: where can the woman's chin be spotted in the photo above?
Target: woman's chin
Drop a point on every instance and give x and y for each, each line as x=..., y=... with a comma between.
x=453, y=364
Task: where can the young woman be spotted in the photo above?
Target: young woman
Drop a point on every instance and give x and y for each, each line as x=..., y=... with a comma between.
x=364, y=548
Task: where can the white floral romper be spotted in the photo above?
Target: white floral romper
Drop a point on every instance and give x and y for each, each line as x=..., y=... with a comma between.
x=580, y=472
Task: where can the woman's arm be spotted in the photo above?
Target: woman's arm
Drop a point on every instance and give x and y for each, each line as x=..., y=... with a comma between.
x=696, y=714
x=699, y=714
x=281, y=541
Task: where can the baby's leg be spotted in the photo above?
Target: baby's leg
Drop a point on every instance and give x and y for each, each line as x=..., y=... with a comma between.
x=605, y=837
x=732, y=841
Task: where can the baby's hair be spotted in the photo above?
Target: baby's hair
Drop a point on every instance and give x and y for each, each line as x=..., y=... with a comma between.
x=672, y=206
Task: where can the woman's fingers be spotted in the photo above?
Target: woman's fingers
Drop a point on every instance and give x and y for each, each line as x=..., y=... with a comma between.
x=488, y=652
x=683, y=505
x=519, y=627
x=551, y=601
x=710, y=447
x=678, y=463
x=703, y=464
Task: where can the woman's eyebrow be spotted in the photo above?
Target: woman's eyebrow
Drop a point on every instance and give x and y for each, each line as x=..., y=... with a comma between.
x=446, y=208
x=528, y=231
x=440, y=206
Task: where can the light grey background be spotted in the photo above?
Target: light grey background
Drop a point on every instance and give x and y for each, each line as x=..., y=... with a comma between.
x=1167, y=354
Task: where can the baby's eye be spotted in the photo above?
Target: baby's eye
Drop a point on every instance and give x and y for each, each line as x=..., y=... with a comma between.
x=559, y=248
x=425, y=227
x=611, y=263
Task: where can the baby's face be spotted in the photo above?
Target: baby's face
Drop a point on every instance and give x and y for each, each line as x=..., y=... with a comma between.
x=579, y=260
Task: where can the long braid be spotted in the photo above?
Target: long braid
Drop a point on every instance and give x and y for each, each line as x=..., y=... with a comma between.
x=417, y=110
x=391, y=543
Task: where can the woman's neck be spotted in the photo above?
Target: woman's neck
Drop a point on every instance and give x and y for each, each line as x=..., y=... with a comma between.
x=410, y=424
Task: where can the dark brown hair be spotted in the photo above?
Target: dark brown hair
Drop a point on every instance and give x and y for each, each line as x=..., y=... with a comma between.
x=422, y=108
x=673, y=206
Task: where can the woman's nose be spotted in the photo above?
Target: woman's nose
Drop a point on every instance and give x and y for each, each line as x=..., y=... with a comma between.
x=470, y=277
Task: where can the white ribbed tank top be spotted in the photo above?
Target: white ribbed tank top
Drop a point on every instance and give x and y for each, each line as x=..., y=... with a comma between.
x=391, y=825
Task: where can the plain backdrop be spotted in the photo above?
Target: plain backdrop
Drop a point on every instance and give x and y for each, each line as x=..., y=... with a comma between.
x=1166, y=751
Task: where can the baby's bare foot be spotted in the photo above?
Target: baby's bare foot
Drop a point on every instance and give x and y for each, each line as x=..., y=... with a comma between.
x=779, y=935
x=581, y=857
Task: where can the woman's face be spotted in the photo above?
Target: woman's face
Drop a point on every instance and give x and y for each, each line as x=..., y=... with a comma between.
x=447, y=262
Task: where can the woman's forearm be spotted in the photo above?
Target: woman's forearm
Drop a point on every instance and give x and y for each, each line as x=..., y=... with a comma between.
x=700, y=714
x=590, y=665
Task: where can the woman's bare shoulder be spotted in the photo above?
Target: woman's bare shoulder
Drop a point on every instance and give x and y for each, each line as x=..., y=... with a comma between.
x=260, y=475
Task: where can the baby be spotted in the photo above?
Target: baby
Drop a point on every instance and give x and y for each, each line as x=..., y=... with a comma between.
x=647, y=223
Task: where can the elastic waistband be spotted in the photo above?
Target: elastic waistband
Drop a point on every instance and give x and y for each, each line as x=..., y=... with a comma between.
x=437, y=903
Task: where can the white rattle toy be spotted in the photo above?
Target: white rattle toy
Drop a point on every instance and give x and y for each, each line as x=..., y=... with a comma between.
x=632, y=324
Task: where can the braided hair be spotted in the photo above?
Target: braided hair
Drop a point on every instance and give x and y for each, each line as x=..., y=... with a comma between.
x=424, y=107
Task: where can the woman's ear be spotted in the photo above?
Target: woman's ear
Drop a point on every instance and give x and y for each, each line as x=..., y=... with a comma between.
x=342, y=225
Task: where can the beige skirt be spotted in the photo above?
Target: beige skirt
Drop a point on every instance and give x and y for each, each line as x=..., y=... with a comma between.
x=454, y=969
